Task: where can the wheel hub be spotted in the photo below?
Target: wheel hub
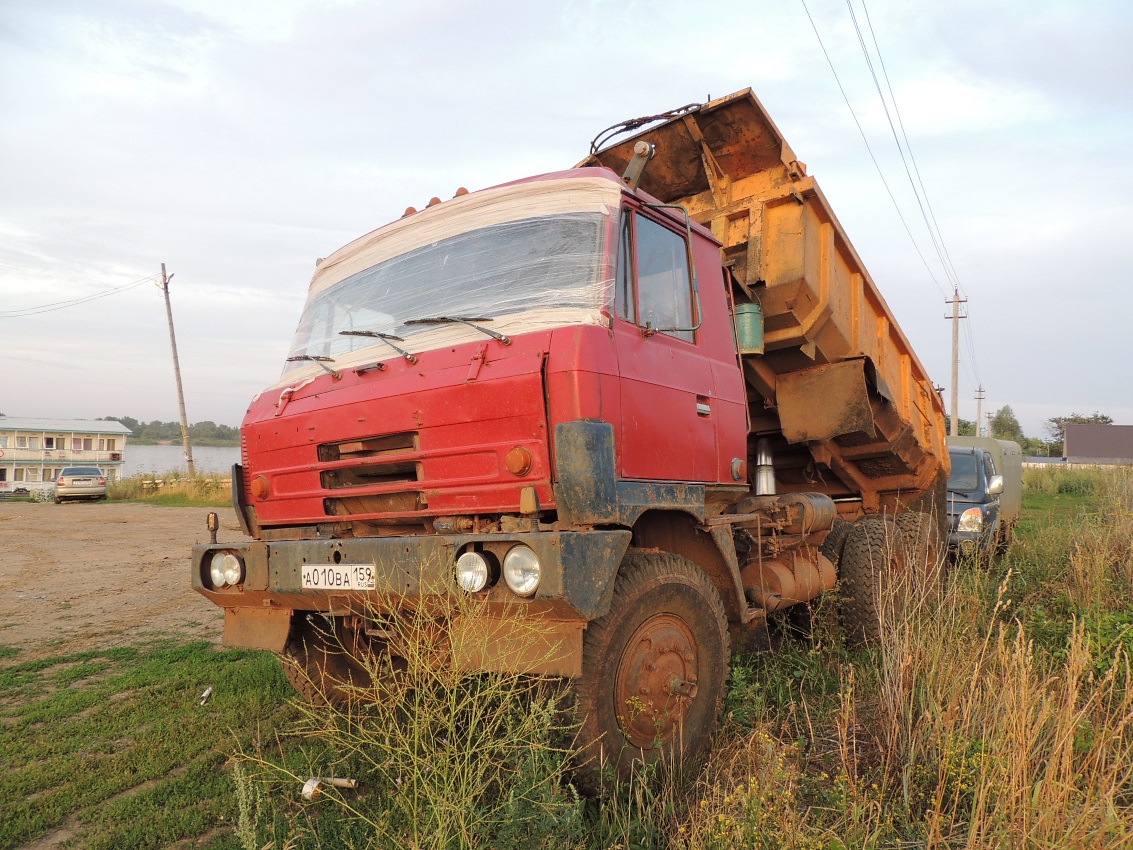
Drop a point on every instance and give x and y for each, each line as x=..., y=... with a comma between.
x=656, y=680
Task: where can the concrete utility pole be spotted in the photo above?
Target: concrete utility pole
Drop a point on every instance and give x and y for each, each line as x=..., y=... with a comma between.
x=177, y=374
x=954, y=426
x=979, y=410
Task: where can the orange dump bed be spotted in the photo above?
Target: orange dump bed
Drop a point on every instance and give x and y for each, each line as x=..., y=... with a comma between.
x=838, y=388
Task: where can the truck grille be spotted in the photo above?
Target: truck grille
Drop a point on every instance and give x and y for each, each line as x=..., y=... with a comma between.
x=383, y=463
x=369, y=447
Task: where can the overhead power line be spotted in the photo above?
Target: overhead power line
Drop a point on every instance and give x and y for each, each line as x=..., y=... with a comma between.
x=73, y=302
x=905, y=136
x=876, y=164
x=921, y=193
x=911, y=168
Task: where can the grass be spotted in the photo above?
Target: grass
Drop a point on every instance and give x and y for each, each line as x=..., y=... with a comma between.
x=1002, y=717
x=174, y=490
x=113, y=747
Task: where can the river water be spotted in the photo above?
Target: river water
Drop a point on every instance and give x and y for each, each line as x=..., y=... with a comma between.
x=161, y=460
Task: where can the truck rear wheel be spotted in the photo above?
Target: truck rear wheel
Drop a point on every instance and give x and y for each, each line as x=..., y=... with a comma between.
x=872, y=559
x=835, y=541
x=654, y=669
x=924, y=552
x=322, y=663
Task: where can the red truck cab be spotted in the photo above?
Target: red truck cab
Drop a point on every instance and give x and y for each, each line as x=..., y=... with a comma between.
x=394, y=412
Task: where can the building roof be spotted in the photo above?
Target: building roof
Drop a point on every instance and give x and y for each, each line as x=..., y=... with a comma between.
x=1112, y=443
x=63, y=426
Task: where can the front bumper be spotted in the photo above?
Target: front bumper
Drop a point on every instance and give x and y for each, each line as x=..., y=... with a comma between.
x=964, y=541
x=578, y=570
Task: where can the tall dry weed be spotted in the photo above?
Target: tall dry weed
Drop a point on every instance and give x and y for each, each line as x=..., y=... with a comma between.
x=993, y=746
x=449, y=758
x=203, y=487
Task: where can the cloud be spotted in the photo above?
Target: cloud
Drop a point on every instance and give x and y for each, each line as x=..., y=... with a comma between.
x=237, y=142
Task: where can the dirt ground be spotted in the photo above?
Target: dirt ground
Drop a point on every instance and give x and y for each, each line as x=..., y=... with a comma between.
x=81, y=575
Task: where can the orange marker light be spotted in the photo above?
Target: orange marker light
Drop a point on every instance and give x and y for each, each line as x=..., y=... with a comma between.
x=518, y=461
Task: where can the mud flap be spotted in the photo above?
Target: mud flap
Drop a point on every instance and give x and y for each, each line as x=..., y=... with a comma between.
x=257, y=628
x=845, y=407
x=518, y=645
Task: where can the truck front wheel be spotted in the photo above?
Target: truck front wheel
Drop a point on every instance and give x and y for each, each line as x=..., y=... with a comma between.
x=654, y=669
x=321, y=661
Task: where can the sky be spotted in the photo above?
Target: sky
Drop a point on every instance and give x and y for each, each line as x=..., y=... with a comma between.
x=237, y=142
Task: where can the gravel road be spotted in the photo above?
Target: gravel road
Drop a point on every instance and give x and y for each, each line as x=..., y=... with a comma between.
x=82, y=574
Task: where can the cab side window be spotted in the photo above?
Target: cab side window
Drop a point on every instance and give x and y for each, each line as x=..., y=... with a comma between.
x=661, y=268
x=989, y=465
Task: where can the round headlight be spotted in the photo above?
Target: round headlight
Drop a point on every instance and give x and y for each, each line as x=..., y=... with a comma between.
x=472, y=572
x=971, y=520
x=522, y=570
x=225, y=570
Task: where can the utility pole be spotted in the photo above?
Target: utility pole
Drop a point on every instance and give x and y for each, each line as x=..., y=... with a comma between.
x=956, y=301
x=980, y=410
x=177, y=374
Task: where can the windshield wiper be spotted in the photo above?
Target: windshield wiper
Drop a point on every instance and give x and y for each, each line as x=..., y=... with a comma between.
x=464, y=320
x=386, y=338
x=320, y=361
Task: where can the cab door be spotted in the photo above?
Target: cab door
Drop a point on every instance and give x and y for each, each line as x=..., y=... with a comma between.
x=667, y=430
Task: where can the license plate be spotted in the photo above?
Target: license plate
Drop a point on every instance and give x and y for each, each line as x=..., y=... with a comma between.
x=339, y=577
x=80, y=481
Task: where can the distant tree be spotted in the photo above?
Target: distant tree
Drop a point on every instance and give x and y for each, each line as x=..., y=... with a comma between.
x=1056, y=427
x=1034, y=446
x=964, y=427
x=205, y=432
x=1004, y=425
x=158, y=431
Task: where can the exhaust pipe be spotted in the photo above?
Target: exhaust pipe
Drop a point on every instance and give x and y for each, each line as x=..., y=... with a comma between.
x=764, y=468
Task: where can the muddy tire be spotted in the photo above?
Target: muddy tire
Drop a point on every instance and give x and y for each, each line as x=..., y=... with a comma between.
x=654, y=670
x=322, y=664
x=835, y=541
x=924, y=553
x=872, y=559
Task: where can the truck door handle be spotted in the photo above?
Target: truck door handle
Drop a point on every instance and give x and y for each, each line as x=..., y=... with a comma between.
x=703, y=405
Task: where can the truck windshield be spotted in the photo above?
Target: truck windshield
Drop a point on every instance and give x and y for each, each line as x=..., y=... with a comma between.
x=506, y=273
x=965, y=473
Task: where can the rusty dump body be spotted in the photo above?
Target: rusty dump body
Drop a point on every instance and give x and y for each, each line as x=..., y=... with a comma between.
x=848, y=408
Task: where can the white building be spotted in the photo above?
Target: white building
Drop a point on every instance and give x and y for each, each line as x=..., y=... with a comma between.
x=34, y=451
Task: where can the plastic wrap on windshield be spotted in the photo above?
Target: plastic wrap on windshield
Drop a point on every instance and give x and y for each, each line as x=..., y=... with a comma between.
x=520, y=275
